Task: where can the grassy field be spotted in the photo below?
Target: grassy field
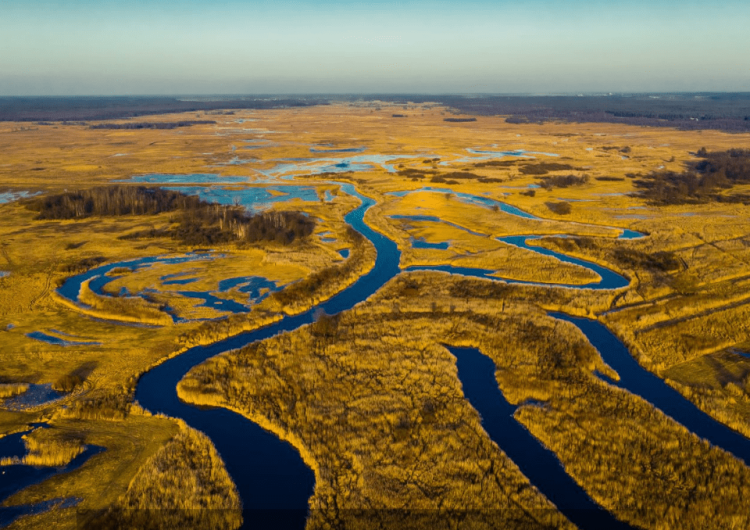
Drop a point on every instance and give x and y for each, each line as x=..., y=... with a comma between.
x=683, y=315
x=396, y=440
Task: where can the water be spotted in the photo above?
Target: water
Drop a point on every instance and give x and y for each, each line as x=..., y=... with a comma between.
x=253, y=199
x=71, y=288
x=17, y=477
x=10, y=196
x=316, y=166
x=641, y=382
x=35, y=396
x=192, y=178
x=540, y=465
x=342, y=150
x=11, y=513
x=269, y=473
x=468, y=198
x=57, y=341
x=272, y=479
x=418, y=242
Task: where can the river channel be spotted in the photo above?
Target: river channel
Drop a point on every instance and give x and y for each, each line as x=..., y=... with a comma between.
x=275, y=484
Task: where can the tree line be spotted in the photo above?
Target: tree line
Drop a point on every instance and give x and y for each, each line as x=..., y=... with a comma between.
x=197, y=222
x=152, y=125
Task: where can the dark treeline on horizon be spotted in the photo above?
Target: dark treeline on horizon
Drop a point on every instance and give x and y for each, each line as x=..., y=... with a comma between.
x=118, y=107
x=693, y=111
x=152, y=125
x=197, y=222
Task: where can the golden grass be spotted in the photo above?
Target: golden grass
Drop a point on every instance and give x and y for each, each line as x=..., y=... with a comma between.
x=12, y=389
x=184, y=484
x=698, y=310
x=124, y=308
x=384, y=425
x=48, y=447
x=104, y=477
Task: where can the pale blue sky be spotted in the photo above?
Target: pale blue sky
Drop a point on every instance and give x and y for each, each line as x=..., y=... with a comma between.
x=54, y=47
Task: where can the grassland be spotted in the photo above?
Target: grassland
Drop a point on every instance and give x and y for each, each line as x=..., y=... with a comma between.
x=384, y=425
x=682, y=316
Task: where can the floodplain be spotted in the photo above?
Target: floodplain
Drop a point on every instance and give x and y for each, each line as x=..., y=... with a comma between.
x=312, y=269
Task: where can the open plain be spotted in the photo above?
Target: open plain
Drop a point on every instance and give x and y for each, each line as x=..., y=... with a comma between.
x=357, y=241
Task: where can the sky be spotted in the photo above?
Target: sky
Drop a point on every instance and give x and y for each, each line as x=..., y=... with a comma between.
x=128, y=47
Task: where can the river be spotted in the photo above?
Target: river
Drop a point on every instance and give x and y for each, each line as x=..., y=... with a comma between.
x=275, y=484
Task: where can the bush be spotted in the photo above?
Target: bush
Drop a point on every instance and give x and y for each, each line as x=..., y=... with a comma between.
x=560, y=208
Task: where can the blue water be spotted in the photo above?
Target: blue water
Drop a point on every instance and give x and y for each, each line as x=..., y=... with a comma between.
x=540, y=465
x=256, y=198
x=272, y=479
x=35, y=395
x=343, y=150
x=434, y=219
x=12, y=445
x=418, y=242
x=11, y=513
x=344, y=253
x=653, y=389
x=468, y=198
x=10, y=196
x=316, y=166
x=256, y=287
x=57, y=341
x=193, y=178
x=17, y=477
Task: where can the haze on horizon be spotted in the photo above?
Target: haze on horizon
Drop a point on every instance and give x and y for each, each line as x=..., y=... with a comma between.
x=108, y=47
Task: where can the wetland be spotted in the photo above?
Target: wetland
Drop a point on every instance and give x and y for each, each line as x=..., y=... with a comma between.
x=277, y=331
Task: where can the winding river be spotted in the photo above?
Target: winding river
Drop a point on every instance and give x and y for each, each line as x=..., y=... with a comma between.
x=275, y=484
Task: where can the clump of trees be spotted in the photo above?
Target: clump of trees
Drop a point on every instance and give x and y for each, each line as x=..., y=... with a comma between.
x=702, y=181
x=200, y=222
x=152, y=125
x=563, y=181
x=111, y=201
x=542, y=168
x=560, y=208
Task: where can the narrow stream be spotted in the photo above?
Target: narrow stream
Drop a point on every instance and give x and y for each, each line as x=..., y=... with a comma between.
x=275, y=484
x=540, y=465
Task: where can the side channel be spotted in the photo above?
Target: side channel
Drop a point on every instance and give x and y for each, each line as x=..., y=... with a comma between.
x=540, y=465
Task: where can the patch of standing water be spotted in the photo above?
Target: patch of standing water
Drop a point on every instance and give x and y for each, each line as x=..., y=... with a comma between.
x=16, y=477
x=10, y=196
x=99, y=278
x=344, y=252
x=57, y=341
x=35, y=396
x=419, y=242
x=192, y=178
x=253, y=198
x=339, y=150
x=482, y=154
x=3, y=274
x=9, y=514
x=316, y=166
x=468, y=198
